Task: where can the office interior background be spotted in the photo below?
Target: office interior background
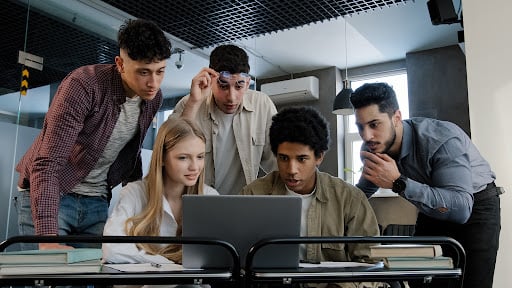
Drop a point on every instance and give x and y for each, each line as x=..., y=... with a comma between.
x=464, y=80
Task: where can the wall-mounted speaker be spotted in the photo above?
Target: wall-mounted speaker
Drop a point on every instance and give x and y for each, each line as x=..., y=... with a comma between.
x=442, y=12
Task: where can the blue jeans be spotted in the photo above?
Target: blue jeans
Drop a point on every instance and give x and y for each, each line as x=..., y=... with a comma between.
x=78, y=215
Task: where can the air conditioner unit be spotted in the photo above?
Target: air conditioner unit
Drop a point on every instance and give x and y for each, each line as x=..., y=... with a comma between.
x=291, y=91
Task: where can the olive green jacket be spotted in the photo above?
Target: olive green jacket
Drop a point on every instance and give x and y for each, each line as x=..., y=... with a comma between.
x=338, y=209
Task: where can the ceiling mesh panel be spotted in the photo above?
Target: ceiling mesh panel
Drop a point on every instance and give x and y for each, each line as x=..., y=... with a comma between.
x=202, y=24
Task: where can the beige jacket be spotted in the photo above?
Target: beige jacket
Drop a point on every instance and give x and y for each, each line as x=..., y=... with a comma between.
x=250, y=124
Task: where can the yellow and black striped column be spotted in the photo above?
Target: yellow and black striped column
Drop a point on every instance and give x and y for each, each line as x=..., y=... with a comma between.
x=24, y=82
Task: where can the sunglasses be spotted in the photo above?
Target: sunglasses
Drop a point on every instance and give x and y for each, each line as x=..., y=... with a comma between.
x=225, y=78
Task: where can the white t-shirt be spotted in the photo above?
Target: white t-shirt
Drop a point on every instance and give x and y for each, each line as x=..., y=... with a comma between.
x=306, y=202
x=228, y=179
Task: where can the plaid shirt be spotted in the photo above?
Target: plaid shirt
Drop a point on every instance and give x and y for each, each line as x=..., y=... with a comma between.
x=76, y=130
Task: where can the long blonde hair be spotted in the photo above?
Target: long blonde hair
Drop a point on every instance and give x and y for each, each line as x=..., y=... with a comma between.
x=148, y=222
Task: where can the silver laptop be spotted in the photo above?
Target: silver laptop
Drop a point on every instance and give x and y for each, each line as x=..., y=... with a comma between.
x=241, y=220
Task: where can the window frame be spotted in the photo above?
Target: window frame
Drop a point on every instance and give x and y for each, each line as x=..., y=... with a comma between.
x=347, y=168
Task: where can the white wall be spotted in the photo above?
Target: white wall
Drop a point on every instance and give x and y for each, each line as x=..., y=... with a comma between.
x=488, y=44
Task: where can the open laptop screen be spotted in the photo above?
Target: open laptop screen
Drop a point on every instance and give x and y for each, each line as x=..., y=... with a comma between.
x=242, y=221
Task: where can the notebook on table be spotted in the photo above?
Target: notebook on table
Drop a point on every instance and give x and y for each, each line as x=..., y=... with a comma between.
x=241, y=220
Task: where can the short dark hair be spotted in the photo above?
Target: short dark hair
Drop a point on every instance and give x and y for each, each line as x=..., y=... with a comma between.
x=375, y=93
x=143, y=40
x=300, y=124
x=229, y=58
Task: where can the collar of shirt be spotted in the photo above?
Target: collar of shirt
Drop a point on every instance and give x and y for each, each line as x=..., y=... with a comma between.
x=406, y=140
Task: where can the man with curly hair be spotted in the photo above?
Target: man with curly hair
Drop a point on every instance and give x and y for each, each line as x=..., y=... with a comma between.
x=91, y=138
x=299, y=138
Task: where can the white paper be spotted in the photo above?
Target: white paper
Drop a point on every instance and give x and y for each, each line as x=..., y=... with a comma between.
x=148, y=267
x=330, y=264
x=382, y=192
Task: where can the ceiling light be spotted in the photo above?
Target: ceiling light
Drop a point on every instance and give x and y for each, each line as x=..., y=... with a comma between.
x=342, y=105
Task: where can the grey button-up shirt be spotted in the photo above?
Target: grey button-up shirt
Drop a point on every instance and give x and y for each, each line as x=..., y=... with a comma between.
x=443, y=167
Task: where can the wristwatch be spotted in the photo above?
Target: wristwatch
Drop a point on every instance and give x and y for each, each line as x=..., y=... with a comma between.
x=399, y=185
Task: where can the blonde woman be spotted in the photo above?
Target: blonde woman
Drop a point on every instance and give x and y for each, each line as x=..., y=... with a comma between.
x=152, y=206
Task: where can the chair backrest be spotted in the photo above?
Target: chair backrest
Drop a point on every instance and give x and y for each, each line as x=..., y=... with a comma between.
x=395, y=215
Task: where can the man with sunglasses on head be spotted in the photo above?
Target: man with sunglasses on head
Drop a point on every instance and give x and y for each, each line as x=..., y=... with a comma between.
x=234, y=119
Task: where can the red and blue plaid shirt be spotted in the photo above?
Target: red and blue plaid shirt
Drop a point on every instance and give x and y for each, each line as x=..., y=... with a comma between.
x=76, y=130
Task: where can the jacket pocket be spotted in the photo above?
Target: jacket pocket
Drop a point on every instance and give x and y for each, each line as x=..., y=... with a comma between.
x=258, y=139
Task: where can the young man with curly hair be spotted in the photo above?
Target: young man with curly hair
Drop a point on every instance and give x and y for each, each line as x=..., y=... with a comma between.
x=299, y=138
x=91, y=138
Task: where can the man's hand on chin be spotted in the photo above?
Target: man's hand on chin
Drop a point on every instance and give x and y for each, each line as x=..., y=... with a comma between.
x=380, y=169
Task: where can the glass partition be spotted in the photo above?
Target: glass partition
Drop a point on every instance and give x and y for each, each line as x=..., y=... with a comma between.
x=41, y=44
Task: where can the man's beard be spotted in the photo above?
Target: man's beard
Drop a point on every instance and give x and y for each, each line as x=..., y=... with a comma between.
x=389, y=143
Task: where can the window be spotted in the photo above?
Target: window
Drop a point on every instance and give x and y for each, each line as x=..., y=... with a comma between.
x=167, y=113
x=160, y=118
x=353, y=142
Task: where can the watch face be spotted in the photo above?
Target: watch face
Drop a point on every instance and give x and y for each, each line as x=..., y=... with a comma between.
x=399, y=185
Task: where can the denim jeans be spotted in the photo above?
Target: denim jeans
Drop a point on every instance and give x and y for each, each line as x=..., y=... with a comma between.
x=479, y=237
x=78, y=215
